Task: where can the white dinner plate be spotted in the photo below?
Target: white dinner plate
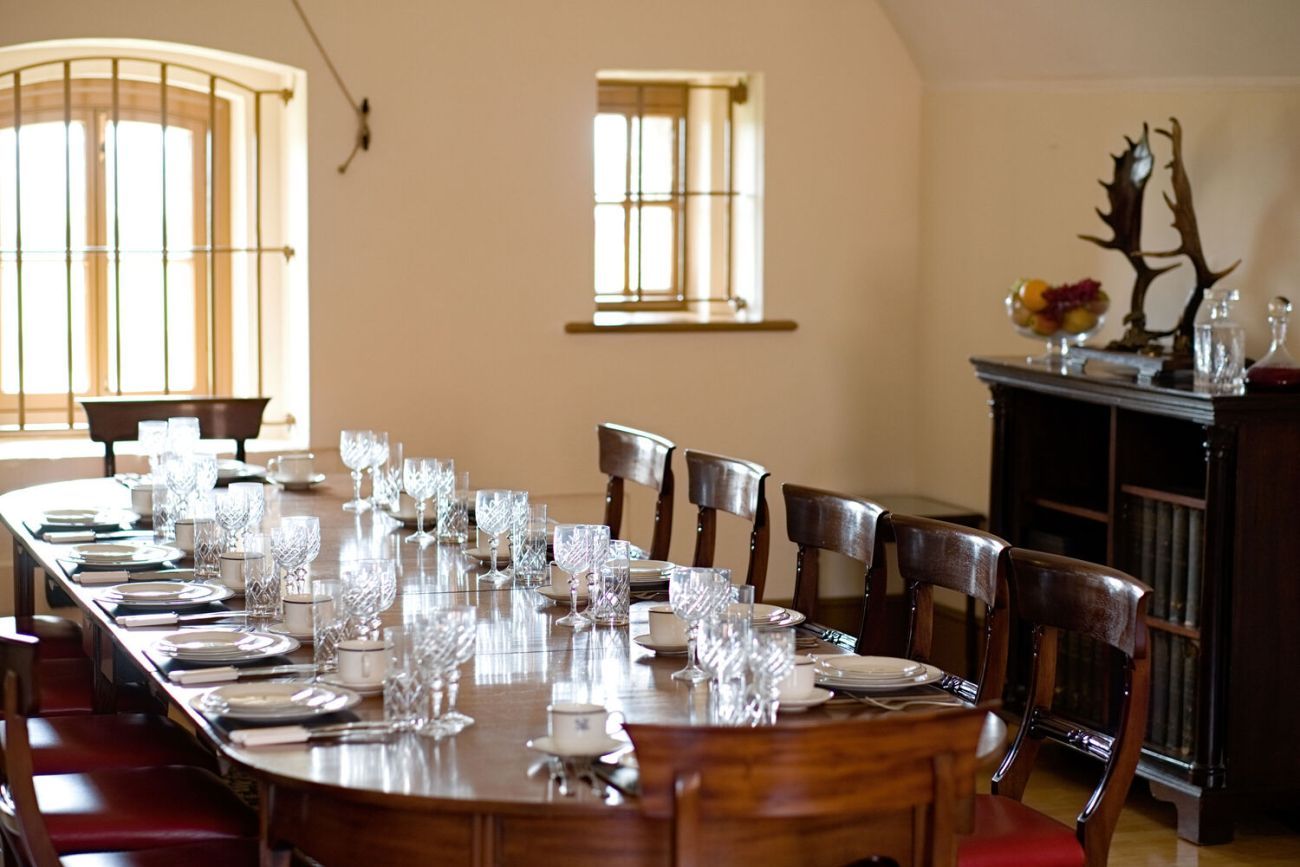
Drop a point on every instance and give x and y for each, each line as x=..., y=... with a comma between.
x=796, y=705
x=222, y=646
x=659, y=649
x=297, y=484
x=547, y=745
x=655, y=568
x=764, y=613
x=166, y=594
x=788, y=619
x=109, y=555
x=869, y=667
x=278, y=702
x=87, y=518
x=930, y=674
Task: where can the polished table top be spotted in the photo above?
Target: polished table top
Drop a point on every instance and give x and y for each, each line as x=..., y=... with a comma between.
x=523, y=663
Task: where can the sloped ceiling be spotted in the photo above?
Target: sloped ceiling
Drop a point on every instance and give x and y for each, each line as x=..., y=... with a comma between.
x=987, y=42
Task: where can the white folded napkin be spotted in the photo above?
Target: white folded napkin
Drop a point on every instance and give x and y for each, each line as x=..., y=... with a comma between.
x=116, y=576
x=270, y=736
x=67, y=537
x=131, y=621
x=194, y=676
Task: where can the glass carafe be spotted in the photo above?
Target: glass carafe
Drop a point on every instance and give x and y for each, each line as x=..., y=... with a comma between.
x=1220, y=345
x=1277, y=371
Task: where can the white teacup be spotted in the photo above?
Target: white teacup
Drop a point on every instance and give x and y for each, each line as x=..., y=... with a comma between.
x=363, y=661
x=292, y=468
x=185, y=534
x=575, y=727
x=299, y=611
x=666, y=628
x=799, y=684
x=142, y=500
x=232, y=567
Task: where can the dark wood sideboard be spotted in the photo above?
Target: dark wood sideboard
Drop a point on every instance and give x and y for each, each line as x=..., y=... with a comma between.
x=1199, y=497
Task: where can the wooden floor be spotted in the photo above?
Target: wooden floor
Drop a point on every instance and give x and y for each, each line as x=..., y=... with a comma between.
x=1146, y=836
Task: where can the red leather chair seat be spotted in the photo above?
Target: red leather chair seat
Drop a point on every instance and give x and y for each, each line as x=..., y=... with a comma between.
x=218, y=853
x=60, y=637
x=67, y=686
x=147, y=808
x=1007, y=832
x=79, y=744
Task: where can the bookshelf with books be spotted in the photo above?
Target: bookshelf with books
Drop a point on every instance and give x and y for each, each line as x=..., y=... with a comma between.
x=1190, y=494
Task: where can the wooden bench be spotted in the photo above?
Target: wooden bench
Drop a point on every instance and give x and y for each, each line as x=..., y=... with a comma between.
x=113, y=419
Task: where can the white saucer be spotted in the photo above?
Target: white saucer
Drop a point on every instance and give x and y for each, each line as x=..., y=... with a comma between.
x=297, y=484
x=282, y=629
x=332, y=678
x=659, y=649
x=819, y=696
x=547, y=745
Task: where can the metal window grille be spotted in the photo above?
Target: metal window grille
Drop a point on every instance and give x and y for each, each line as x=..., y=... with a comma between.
x=636, y=102
x=30, y=102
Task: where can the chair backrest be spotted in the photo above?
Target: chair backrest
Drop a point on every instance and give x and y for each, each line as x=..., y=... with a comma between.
x=25, y=829
x=113, y=419
x=886, y=787
x=970, y=562
x=1051, y=594
x=821, y=520
x=720, y=484
x=632, y=455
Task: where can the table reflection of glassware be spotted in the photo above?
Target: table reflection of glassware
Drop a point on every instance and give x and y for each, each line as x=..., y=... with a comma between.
x=354, y=449
x=493, y=513
x=465, y=622
x=436, y=648
x=695, y=593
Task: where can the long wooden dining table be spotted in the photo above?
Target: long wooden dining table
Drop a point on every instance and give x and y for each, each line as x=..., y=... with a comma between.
x=479, y=797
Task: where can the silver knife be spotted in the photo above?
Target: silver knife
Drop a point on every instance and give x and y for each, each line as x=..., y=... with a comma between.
x=222, y=674
x=169, y=618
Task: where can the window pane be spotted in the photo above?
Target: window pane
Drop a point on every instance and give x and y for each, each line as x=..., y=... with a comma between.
x=656, y=249
x=45, y=223
x=657, y=148
x=609, y=248
x=611, y=157
x=140, y=224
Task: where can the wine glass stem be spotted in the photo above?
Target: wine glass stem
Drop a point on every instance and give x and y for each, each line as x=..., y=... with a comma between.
x=419, y=517
x=356, y=486
x=573, y=595
x=690, y=648
x=496, y=540
x=453, y=688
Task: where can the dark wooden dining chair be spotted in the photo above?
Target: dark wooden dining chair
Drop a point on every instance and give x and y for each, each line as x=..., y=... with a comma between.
x=1051, y=594
x=630, y=455
x=970, y=562
x=106, y=814
x=114, y=419
x=831, y=793
x=720, y=484
x=825, y=521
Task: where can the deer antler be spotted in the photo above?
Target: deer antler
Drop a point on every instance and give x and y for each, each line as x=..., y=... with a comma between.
x=1125, y=192
x=1190, y=238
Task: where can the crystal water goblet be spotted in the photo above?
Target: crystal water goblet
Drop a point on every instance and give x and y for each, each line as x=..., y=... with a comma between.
x=261, y=582
x=153, y=440
x=573, y=556
x=436, y=655
x=330, y=622
x=611, y=586
x=464, y=620
x=724, y=651
x=205, y=472
x=493, y=512
x=207, y=545
x=695, y=593
x=444, y=493
x=518, y=521
x=528, y=558
x=296, y=543
x=362, y=585
x=231, y=508
x=180, y=471
x=254, y=494
x=388, y=487
x=418, y=477
x=378, y=456
x=405, y=703
x=771, y=659
x=354, y=449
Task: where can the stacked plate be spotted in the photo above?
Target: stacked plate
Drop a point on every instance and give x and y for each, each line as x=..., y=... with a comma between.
x=121, y=555
x=873, y=673
x=775, y=617
x=165, y=594
x=89, y=519
x=650, y=571
x=274, y=702
x=223, y=646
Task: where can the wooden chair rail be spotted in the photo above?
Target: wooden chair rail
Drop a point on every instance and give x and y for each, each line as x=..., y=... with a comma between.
x=116, y=419
x=719, y=483
x=627, y=454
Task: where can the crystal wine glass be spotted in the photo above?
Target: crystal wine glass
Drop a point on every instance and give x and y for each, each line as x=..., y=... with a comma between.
x=695, y=593
x=354, y=449
x=255, y=494
x=378, y=457
x=464, y=620
x=153, y=439
x=573, y=555
x=770, y=660
x=231, y=509
x=388, y=487
x=362, y=585
x=182, y=433
x=180, y=472
x=296, y=542
x=493, y=512
x=205, y=472
x=418, y=477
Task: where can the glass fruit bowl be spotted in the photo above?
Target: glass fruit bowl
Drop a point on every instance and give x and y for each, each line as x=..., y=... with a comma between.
x=1061, y=316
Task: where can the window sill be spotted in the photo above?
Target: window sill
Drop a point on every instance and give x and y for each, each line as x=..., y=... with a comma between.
x=623, y=323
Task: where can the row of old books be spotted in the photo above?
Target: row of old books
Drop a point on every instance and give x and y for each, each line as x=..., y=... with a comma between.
x=1164, y=551
x=1081, y=682
x=1175, y=663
